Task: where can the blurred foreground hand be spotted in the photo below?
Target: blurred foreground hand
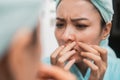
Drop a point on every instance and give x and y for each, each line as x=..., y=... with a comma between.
x=54, y=73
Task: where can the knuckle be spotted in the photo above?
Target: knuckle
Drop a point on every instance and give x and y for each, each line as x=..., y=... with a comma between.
x=104, y=68
x=98, y=59
x=97, y=53
x=104, y=51
x=52, y=56
x=95, y=69
x=61, y=54
x=60, y=61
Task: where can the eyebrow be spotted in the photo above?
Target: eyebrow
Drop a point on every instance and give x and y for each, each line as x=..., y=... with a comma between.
x=78, y=19
x=73, y=20
x=61, y=19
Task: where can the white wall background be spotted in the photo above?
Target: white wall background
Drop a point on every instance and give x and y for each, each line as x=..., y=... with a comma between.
x=49, y=43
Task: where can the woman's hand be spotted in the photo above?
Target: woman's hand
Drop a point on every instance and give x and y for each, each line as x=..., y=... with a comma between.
x=62, y=55
x=95, y=58
x=54, y=73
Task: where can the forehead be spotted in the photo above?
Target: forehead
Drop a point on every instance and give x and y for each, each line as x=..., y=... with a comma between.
x=76, y=8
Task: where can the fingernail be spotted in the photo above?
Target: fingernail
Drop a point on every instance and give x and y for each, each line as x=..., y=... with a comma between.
x=62, y=46
x=79, y=43
x=73, y=60
x=73, y=51
x=74, y=42
x=84, y=59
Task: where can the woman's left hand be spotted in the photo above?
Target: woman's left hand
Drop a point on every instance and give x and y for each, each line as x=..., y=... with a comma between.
x=95, y=58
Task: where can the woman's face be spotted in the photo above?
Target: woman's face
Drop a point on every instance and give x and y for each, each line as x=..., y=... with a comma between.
x=79, y=21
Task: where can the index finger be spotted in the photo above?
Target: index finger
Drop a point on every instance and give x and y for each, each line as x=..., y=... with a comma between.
x=102, y=51
x=88, y=48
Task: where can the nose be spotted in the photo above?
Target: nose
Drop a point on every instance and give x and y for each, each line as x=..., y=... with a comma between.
x=68, y=35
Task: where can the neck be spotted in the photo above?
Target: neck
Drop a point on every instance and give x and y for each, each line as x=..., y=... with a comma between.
x=82, y=67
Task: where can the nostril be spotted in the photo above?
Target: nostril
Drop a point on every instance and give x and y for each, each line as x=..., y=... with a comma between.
x=68, y=37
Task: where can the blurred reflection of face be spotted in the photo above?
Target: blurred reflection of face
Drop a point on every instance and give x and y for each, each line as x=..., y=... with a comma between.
x=24, y=54
x=79, y=21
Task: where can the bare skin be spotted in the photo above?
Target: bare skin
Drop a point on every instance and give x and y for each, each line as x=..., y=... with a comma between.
x=54, y=73
x=23, y=60
x=79, y=33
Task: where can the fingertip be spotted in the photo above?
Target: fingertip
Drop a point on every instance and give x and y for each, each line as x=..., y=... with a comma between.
x=62, y=46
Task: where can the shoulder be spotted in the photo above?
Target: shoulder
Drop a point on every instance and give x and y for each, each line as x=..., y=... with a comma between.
x=113, y=72
x=114, y=64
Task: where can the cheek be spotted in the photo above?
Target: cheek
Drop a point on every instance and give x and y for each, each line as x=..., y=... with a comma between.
x=89, y=37
x=58, y=35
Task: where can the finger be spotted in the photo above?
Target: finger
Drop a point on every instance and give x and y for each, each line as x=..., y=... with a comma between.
x=50, y=71
x=55, y=54
x=88, y=48
x=97, y=59
x=102, y=51
x=61, y=61
x=67, y=48
x=69, y=64
x=90, y=64
x=21, y=40
x=36, y=40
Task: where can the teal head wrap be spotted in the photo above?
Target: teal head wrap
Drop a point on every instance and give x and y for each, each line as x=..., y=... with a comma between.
x=105, y=7
x=15, y=14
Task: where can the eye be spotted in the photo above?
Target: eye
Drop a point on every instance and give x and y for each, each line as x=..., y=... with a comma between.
x=81, y=26
x=60, y=25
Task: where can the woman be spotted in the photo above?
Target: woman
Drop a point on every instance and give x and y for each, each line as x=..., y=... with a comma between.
x=20, y=45
x=81, y=25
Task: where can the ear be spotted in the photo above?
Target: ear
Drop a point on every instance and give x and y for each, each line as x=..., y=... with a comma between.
x=106, y=30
